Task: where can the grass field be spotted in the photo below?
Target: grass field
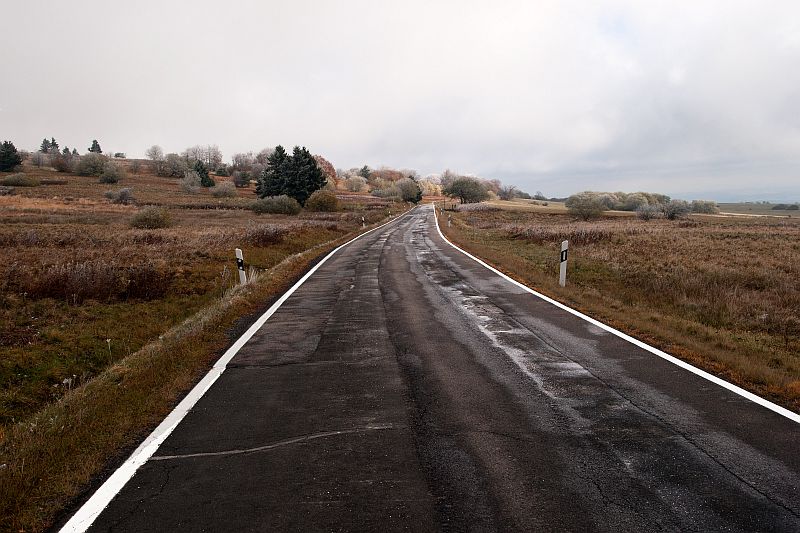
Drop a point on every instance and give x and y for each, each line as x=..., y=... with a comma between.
x=754, y=208
x=720, y=292
x=103, y=326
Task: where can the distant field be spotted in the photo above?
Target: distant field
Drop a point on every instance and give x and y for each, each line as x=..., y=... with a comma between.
x=102, y=325
x=750, y=208
x=720, y=292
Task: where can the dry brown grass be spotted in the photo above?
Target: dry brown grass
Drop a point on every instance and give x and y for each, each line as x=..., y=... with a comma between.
x=723, y=293
x=84, y=300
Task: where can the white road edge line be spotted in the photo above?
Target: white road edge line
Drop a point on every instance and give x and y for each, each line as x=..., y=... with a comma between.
x=89, y=511
x=672, y=359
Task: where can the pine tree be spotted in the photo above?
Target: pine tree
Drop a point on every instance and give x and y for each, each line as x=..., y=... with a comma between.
x=53, y=144
x=202, y=171
x=303, y=176
x=9, y=158
x=272, y=180
x=45, y=147
x=364, y=172
x=95, y=147
x=297, y=175
x=75, y=151
x=65, y=151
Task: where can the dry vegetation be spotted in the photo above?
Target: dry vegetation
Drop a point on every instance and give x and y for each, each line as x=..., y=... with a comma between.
x=103, y=325
x=720, y=292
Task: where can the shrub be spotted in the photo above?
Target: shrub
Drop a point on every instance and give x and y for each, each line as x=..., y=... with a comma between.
x=152, y=218
x=190, y=183
x=676, y=209
x=91, y=165
x=282, y=205
x=705, y=207
x=355, y=184
x=585, y=205
x=226, y=189
x=62, y=163
x=112, y=173
x=409, y=190
x=223, y=171
x=241, y=178
x=121, y=196
x=6, y=191
x=265, y=234
x=392, y=192
x=322, y=201
x=20, y=180
x=173, y=166
x=648, y=212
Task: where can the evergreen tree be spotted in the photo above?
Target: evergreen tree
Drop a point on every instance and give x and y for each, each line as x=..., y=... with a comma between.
x=65, y=151
x=75, y=151
x=45, y=147
x=202, y=171
x=272, y=179
x=53, y=144
x=95, y=148
x=9, y=158
x=303, y=176
x=364, y=172
x=297, y=175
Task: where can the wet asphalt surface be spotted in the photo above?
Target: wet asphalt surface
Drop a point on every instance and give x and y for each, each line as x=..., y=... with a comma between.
x=405, y=387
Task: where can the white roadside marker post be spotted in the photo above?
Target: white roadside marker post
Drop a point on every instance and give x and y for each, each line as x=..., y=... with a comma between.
x=562, y=275
x=448, y=220
x=363, y=223
x=240, y=264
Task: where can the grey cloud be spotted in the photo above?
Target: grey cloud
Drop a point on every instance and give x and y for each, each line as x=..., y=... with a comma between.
x=682, y=97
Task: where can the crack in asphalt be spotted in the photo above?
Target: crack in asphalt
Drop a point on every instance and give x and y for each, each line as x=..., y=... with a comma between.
x=278, y=444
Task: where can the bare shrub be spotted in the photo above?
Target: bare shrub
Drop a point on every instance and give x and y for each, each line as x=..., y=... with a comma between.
x=322, y=201
x=282, y=205
x=152, y=217
x=20, y=180
x=585, y=205
x=91, y=164
x=676, y=209
x=648, y=212
x=6, y=191
x=707, y=207
x=225, y=189
x=355, y=184
x=121, y=196
x=265, y=234
x=112, y=173
x=190, y=183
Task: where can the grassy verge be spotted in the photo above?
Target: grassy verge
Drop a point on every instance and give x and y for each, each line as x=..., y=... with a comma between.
x=722, y=294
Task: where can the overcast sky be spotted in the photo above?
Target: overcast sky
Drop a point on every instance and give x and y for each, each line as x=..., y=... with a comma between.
x=691, y=98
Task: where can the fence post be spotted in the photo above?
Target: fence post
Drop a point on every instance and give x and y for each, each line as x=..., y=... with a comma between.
x=240, y=264
x=562, y=275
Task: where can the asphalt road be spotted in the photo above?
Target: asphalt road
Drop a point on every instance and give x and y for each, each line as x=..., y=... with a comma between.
x=406, y=387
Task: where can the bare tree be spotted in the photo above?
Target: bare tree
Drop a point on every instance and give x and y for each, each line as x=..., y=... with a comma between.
x=156, y=155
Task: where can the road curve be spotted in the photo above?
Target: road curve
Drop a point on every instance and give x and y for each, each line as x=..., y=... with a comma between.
x=404, y=386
